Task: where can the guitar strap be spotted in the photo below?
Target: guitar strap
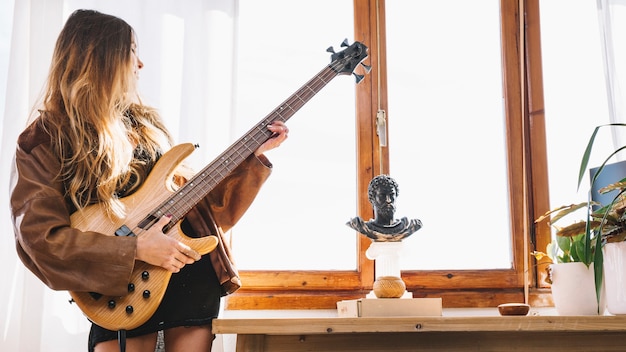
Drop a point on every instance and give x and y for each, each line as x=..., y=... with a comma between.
x=121, y=340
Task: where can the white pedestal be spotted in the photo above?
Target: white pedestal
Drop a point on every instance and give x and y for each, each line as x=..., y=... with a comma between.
x=386, y=256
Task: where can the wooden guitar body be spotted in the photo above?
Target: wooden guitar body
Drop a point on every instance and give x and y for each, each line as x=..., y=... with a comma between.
x=147, y=283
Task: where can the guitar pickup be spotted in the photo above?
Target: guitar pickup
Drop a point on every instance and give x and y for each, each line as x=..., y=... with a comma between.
x=124, y=231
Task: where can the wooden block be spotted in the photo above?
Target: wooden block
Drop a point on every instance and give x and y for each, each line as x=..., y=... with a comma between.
x=389, y=307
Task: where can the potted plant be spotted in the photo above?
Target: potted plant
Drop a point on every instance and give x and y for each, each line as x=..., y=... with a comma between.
x=599, y=240
x=572, y=254
x=613, y=235
x=611, y=229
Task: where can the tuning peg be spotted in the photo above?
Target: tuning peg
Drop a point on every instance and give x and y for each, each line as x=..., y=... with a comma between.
x=331, y=50
x=367, y=68
x=345, y=43
x=359, y=78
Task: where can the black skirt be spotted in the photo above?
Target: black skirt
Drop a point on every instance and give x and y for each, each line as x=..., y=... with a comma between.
x=192, y=298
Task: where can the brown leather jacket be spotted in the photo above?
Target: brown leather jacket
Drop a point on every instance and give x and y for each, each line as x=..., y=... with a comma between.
x=65, y=258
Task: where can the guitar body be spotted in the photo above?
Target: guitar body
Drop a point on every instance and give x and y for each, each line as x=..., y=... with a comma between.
x=147, y=283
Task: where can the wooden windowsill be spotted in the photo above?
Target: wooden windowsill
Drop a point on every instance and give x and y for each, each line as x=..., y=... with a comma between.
x=308, y=330
x=479, y=319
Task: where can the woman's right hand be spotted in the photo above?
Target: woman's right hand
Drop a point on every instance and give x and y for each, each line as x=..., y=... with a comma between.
x=156, y=248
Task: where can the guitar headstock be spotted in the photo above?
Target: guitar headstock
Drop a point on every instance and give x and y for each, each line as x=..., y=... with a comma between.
x=346, y=61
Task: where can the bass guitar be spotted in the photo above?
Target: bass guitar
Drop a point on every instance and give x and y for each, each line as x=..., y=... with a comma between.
x=156, y=198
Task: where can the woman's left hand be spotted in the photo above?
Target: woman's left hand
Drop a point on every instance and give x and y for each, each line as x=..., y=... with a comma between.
x=280, y=132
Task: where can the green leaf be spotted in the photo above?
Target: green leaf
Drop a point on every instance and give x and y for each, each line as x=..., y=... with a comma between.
x=564, y=243
x=586, y=255
x=585, y=160
x=598, y=262
x=603, y=164
x=578, y=251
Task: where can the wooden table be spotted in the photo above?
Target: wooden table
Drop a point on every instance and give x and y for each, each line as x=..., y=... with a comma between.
x=456, y=333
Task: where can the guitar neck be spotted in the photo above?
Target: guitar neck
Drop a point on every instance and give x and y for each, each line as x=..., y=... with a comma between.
x=198, y=187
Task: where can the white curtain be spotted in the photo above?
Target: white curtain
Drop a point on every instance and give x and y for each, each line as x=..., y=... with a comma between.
x=188, y=50
x=612, y=20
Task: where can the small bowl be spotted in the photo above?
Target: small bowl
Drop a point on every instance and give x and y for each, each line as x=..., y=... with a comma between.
x=513, y=309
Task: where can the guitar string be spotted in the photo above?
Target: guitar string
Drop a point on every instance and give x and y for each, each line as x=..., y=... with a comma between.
x=231, y=159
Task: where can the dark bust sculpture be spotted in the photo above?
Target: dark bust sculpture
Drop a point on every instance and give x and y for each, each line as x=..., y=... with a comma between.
x=382, y=192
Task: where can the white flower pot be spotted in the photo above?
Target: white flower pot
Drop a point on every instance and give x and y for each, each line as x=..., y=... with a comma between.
x=574, y=289
x=615, y=277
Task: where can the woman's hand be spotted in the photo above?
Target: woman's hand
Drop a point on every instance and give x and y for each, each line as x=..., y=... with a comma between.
x=156, y=248
x=280, y=131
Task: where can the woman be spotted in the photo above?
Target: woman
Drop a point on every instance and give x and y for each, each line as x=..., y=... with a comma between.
x=95, y=142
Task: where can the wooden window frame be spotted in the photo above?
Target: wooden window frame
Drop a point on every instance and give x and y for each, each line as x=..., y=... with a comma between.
x=527, y=173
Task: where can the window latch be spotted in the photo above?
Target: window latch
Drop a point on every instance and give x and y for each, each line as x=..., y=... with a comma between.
x=381, y=127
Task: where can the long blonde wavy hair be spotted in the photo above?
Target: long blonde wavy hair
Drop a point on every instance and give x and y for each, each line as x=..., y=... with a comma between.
x=92, y=111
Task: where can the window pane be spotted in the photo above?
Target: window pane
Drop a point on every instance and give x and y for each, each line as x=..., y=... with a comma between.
x=298, y=220
x=447, y=132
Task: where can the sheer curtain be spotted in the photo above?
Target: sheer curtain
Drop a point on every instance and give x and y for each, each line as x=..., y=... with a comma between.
x=188, y=55
x=584, y=68
x=612, y=20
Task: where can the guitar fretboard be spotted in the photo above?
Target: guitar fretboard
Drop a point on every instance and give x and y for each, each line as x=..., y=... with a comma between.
x=198, y=187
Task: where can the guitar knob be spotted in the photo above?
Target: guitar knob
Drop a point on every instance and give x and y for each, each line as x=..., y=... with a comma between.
x=145, y=275
x=131, y=287
x=111, y=304
x=129, y=309
x=146, y=294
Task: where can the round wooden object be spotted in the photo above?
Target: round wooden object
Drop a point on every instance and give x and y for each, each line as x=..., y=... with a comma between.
x=513, y=309
x=389, y=287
